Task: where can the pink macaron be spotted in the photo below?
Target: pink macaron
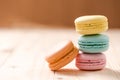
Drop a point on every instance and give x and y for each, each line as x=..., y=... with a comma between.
x=85, y=61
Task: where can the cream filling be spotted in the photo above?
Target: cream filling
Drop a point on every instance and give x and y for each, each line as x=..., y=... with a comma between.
x=94, y=25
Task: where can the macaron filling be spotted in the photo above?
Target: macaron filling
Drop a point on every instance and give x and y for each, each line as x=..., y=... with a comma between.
x=91, y=26
x=94, y=45
x=63, y=56
x=91, y=62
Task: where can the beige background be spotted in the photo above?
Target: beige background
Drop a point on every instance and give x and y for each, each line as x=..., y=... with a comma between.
x=57, y=12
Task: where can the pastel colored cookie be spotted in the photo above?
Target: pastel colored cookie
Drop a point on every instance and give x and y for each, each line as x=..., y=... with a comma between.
x=93, y=43
x=62, y=54
x=90, y=61
x=91, y=24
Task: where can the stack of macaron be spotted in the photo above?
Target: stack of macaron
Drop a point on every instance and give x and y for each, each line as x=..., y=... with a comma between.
x=91, y=42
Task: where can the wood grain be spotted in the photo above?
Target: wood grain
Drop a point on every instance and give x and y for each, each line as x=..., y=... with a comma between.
x=23, y=51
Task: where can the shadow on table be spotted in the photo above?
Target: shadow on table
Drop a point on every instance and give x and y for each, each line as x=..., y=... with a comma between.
x=107, y=72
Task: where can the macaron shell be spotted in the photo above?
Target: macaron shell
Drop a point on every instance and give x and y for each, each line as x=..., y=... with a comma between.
x=65, y=60
x=91, y=24
x=59, y=51
x=92, y=18
x=93, y=43
x=90, y=61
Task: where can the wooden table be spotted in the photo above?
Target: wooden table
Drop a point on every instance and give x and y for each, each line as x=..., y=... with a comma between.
x=22, y=53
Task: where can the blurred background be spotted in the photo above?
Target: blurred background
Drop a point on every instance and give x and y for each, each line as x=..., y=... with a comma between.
x=56, y=12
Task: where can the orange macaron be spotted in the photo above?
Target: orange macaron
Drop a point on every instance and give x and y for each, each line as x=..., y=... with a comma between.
x=61, y=54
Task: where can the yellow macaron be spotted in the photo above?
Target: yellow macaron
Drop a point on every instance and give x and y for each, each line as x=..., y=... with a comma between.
x=61, y=54
x=91, y=24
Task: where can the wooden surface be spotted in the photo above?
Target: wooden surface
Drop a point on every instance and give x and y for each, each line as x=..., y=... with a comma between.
x=22, y=55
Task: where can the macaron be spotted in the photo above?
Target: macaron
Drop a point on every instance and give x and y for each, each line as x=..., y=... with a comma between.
x=90, y=62
x=91, y=24
x=62, y=54
x=93, y=43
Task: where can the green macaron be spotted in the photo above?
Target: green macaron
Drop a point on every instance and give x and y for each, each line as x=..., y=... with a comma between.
x=93, y=43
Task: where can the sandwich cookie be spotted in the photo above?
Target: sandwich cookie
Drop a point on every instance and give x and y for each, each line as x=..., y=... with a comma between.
x=91, y=24
x=86, y=61
x=93, y=43
x=62, y=54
